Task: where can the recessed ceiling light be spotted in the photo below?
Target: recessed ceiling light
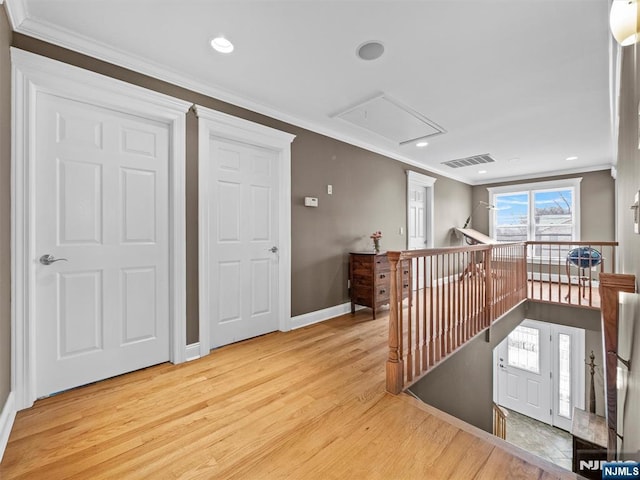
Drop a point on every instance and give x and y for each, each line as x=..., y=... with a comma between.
x=482, y=171
x=571, y=158
x=370, y=50
x=422, y=144
x=222, y=45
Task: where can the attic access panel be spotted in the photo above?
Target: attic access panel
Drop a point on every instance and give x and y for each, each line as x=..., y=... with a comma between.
x=391, y=119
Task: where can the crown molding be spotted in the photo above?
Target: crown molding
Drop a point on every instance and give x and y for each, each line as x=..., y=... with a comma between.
x=65, y=38
x=16, y=11
x=50, y=33
x=531, y=176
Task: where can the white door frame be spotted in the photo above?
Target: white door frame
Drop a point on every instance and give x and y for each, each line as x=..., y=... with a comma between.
x=415, y=178
x=212, y=122
x=33, y=75
x=578, y=381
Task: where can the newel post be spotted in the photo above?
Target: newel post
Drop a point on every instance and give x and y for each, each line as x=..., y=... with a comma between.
x=395, y=371
x=488, y=285
x=610, y=285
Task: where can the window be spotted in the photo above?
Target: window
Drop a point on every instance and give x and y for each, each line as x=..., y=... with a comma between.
x=544, y=211
x=523, y=349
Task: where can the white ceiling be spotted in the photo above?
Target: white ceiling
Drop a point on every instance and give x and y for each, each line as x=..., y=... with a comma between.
x=527, y=81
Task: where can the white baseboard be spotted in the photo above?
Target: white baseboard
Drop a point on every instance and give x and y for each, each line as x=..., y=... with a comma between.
x=7, y=418
x=321, y=315
x=192, y=352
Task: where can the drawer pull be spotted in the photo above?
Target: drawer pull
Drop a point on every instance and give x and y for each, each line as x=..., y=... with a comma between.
x=382, y=275
x=406, y=285
x=383, y=291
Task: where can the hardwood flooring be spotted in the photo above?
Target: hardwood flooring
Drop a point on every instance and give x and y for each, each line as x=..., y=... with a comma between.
x=307, y=404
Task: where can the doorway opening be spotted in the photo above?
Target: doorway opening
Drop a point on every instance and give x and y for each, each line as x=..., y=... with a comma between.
x=539, y=377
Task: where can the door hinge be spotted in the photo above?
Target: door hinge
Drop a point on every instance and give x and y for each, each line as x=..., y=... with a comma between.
x=551, y=375
x=550, y=412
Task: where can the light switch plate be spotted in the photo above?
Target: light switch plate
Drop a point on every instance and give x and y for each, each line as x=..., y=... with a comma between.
x=310, y=201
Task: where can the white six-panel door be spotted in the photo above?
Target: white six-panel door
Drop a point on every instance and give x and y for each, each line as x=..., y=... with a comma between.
x=244, y=228
x=101, y=203
x=243, y=241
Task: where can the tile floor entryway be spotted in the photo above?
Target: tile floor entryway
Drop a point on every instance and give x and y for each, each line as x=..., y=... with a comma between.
x=541, y=439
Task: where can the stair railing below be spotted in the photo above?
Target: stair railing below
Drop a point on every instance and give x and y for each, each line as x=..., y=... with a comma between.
x=452, y=295
x=500, y=421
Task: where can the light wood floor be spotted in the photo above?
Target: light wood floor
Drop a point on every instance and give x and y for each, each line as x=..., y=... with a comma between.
x=308, y=404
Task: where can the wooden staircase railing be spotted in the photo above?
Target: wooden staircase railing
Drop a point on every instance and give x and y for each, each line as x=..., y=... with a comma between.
x=452, y=295
x=556, y=275
x=500, y=421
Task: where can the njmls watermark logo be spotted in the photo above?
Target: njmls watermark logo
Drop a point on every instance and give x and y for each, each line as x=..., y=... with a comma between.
x=591, y=465
x=620, y=470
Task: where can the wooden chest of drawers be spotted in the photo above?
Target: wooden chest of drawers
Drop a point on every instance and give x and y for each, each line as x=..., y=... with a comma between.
x=370, y=280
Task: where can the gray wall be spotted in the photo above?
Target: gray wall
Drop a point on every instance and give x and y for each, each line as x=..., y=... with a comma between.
x=369, y=194
x=463, y=384
x=628, y=185
x=5, y=208
x=597, y=204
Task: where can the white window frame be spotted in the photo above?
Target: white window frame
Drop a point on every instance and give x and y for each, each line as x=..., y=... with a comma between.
x=530, y=188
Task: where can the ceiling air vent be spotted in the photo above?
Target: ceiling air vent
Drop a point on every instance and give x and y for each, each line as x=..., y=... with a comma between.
x=469, y=161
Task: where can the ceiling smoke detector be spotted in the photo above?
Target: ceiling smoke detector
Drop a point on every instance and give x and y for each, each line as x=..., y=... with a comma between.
x=370, y=50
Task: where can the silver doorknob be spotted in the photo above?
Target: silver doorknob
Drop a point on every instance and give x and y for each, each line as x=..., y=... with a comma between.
x=48, y=259
x=273, y=249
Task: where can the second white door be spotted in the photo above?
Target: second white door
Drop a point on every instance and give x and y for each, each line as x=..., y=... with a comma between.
x=243, y=241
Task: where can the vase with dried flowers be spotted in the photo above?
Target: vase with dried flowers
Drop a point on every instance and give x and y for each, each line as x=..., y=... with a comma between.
x=376, y=236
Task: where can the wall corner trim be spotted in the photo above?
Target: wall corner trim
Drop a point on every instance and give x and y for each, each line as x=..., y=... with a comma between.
x=318, y=316
x=7, y=418
x=192, y=352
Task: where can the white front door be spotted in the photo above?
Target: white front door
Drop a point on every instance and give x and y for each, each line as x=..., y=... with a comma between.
x=101, y=203
x=243, y=240
x=541, y=371
x=524, y=371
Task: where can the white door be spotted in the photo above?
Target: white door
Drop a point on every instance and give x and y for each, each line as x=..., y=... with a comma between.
x=417, y=227
x=524, y=371
x=243, y=241
x=101, y=203
x=420, y=222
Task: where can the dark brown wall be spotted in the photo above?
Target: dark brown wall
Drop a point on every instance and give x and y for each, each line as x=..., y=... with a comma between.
x=597, y=204
x=5, y=208
x=628, y=185
x=369, y=194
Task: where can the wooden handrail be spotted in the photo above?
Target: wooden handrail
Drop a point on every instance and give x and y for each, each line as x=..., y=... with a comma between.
x=555, y=277
x=449, y=295
x=453, y=295
x=578, y=243
x=500, y=421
